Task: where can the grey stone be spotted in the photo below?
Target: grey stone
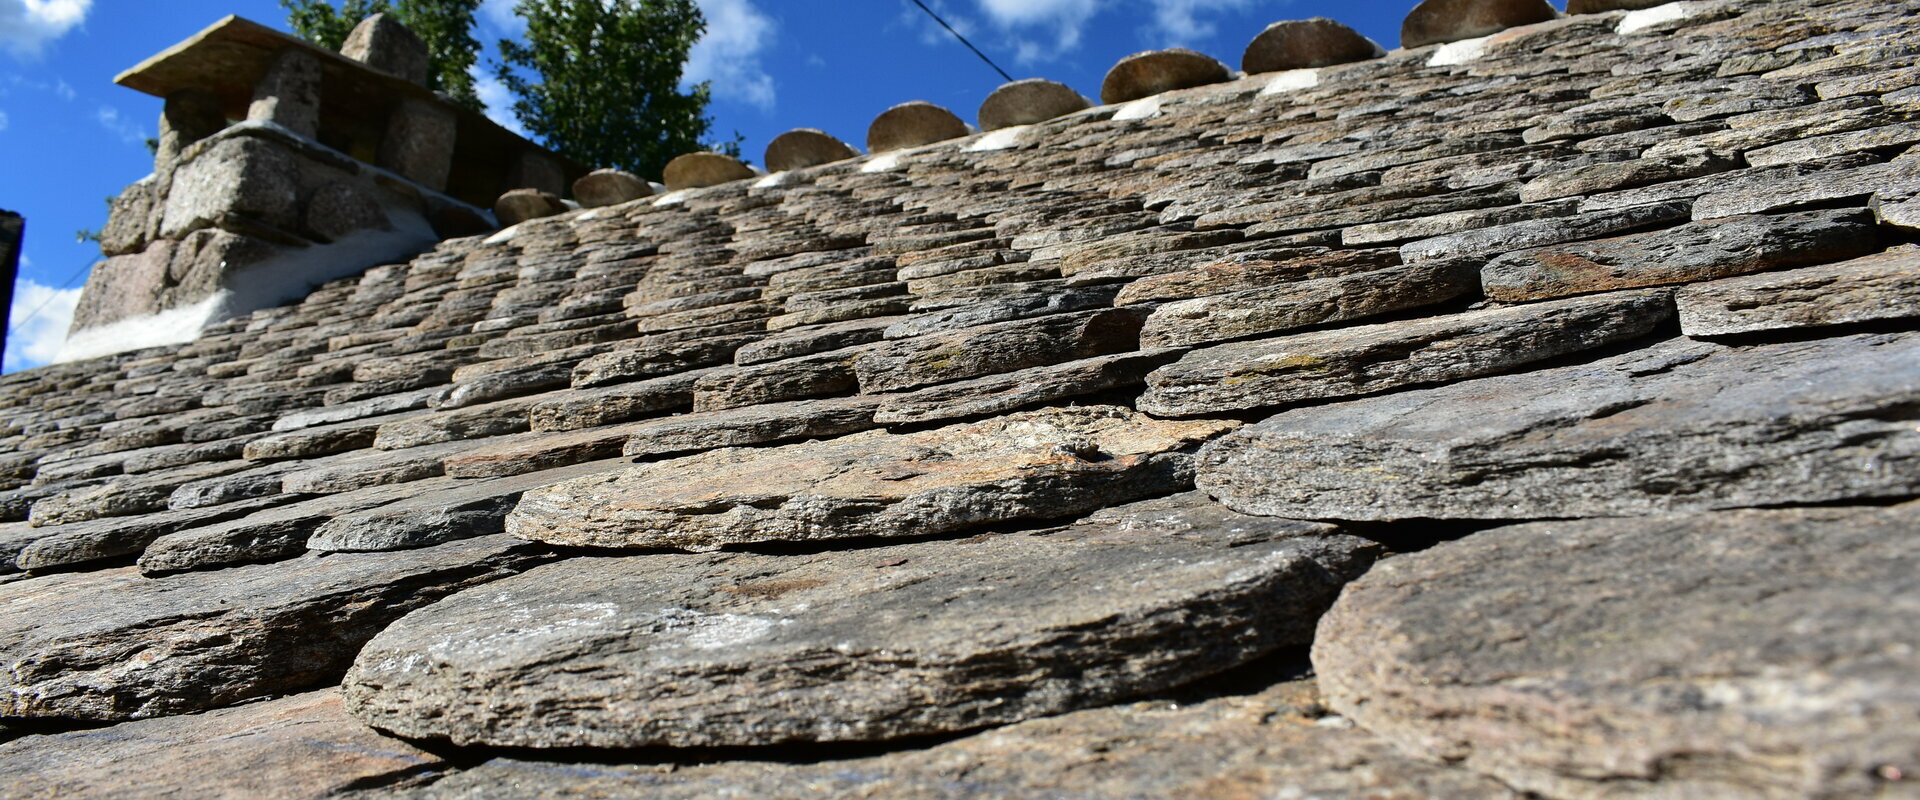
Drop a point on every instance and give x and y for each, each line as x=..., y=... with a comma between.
x=519, y=205
x=995, y=394
x=1256, y=270
x=461, y=510
x=288, y=94
x=361, y=469
x=610, y=187
x=1268, y=744
x=419, y=142
x=1346, y=362
x=811, y=339
x=819, y=375
x=805, y=147
x=1306, y=44
x=1535, y=233
x=1710, y=655
x=113, y=645
x=913, y=124
x=1154, y=71
x=341, y=209
x=1302, y=304
x=320, y=440
x=370, y=407
x=1027, y=102
x=96, y=540
x=449, y=425
x=699, y=170
x=859, y=645
x=244, y=175
x=1798, y=186
x=188, y=116
x=1678, y=427
x=1449, y=222
x=1438, y=21
x=1715, y=248
x=121, y=496
x=620, y=402
x=1039, y=464
x=1877, y=287
x=303, y=747
x=1818, y=147
x=256, y=481
x=652, y=361
x=381, y=42
x=761, y=423
x=271, y=534
x=992, y=349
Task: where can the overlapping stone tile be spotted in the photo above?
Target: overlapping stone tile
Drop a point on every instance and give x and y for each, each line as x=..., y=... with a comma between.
x=1883, y=286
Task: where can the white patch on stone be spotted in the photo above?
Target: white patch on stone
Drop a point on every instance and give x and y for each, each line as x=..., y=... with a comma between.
x=721, y=631
x=1636, y=21
x=885, y=162
x=999, y=140
x=1460, y=52
x=673, y=198
x=592, y=213
x=1142, y=108
x=505, y=234
x=658, y=187
x=771, y=181
x=1292, y=80
x=173, y=326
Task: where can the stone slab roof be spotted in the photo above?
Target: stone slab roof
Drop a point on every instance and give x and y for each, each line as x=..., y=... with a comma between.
x=1523, y=416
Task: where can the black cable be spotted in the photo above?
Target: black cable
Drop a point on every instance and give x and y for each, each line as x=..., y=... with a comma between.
x=963, y=40
x=12, y=329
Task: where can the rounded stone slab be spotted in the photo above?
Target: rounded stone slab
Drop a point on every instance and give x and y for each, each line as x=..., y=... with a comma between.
x=1441, y=21
x=609, y=187
x=519, y=205
x=1155, y=71
x=1027, y=102
x=1304, y=44
x=1279, y=742
x=805, y=147
x=913, y=124
x=699, y=170
x=1035, y=465
x=1765, y=654
x=731, y=649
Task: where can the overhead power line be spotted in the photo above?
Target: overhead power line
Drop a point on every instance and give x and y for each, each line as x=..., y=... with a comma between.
x=963, y=40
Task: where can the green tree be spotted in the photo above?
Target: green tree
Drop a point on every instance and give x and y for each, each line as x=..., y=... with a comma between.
x=599, y=80
x=445, y=25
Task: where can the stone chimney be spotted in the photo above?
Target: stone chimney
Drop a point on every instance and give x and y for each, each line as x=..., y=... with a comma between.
x=281, y=166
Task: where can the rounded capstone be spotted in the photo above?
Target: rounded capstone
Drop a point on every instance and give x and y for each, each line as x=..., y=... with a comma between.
x=913, y=124
x=696, y=170
x=1027, y=102
x=608, y=187
x=381, y=42
x=1441, y=21
x=1304, y=44
x=520, y=205
x=805, y=147
x=1155, y=71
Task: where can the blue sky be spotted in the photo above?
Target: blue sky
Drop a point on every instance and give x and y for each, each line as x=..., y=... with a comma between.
x=71, y=138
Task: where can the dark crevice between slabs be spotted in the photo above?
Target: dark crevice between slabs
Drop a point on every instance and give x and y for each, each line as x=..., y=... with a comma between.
x=1815, y=333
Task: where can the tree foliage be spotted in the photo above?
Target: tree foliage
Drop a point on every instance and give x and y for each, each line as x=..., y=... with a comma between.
x=445, y=25
x=599, y=80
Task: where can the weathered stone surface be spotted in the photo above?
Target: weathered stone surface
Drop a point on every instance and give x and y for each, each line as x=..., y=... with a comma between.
x=419, y=142
x=1795, y=186
x=113, y=645
x=1449, y=222
x=519, y=205
x=95, y=540
x=246, y=175
x=1617, y=175
x=1704, y=250
x=1035, y=465
x=1438, y=21
x=303, y=747
x=1252, y=312
x=995, y=394
x=358, y=470
x=584, y=408
x=1535, y=233
x=1728, y=654
x=447, y=425
x=462, y=510
x=321, y=440
x=1155, y=71
x=1360, y=360
x=257, y=481
x=1876, y=287
x=1254, y=271
x=288, y=94
x=628, y=364
x=609, y=187
x=993, y=349
x=818, y=375
x=1027, y=102
x=1677, y=427
x=762, y=423
x=1305, y=44
x=811, y=339
x=121, y=496
x=271, y=534
x=913, y=124
x=381, y=42
x=917, y=638
x=805, y=147
x=699, y=170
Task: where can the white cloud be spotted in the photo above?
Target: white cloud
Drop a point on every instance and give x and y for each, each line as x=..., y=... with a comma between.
x=26, y=26
x=34, y=338
x=109, y=118
x=1059, y=20
x=498, y=99
x=728, y=54
x=1177, y=22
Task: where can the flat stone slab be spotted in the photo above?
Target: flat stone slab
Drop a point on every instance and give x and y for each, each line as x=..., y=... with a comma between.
x=750, y=425
x=998, y=394
x=1728, y=654
x=113, y=645
x=1676, y=427
x=1345, y=362
x=997, y=348
x=1698, y=251
x=270, y=534
x=60, y=546
x=1278, y=741
x=1877, y=287
x=461, y=510
x=361, y=469
x=1035, y=465
x=1303, y=304
x=303, y=747
x=863, y=645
